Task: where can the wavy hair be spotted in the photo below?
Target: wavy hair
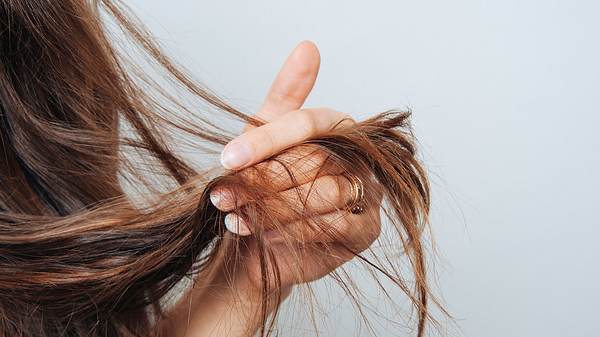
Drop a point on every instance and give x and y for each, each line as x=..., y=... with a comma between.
x=101, y=215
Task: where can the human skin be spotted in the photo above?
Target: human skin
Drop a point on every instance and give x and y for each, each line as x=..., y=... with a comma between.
x=227, y=306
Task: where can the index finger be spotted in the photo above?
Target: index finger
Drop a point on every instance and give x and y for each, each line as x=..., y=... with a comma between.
x=288, y=130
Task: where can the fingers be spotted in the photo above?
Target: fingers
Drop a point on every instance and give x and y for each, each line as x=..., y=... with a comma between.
x=291, y=168
x=294, y=82
x=316, y=211
x=305, y=260
x=305, y=168
x=356, y=230
x=323, y=195
x=286, y=131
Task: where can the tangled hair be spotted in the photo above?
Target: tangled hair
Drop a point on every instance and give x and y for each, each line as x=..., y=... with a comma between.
x=100, y=215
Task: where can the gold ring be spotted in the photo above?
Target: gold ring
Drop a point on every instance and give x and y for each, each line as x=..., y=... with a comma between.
x=354, y=206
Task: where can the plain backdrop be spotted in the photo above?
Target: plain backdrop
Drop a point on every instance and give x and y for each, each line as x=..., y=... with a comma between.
x=505, y=96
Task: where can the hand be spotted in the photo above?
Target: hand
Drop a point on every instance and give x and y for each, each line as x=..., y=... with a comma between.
x=314, y=255
x=216, y=307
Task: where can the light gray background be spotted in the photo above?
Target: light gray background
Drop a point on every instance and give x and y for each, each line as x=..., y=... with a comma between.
x=505, y=99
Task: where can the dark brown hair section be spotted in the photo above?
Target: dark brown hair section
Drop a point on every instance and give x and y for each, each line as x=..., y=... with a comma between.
x=79, y=121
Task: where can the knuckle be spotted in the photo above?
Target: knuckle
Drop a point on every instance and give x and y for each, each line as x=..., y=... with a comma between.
x=329, y=189
x=268, y=140
x=347, y=118
x=279, y=97
x=275, y=170
x=344, y=120
x=308, y=122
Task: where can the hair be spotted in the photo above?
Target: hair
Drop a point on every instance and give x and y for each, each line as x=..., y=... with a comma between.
x=101, y=215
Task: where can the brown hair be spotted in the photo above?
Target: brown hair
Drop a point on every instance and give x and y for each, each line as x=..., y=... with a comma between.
x=100, y=215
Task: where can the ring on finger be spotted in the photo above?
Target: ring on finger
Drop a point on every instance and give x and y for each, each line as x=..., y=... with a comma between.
x=356, y=203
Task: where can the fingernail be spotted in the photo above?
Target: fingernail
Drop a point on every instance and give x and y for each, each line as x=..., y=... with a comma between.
x=219, y=197
x=236, y=225
x=235, y=155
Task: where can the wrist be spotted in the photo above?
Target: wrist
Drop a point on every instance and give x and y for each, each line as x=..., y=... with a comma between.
x=223, y=304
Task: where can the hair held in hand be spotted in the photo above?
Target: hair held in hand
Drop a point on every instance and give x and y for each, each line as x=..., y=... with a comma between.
x=101, y=215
